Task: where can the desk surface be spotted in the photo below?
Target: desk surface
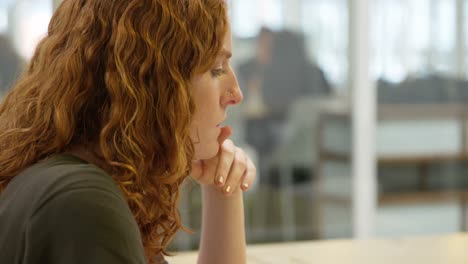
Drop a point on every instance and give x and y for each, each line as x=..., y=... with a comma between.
x=445, y=249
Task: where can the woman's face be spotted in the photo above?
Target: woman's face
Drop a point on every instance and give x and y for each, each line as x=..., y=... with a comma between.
x=213, y=91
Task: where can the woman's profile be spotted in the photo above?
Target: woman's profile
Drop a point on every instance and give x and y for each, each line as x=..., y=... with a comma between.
x=121, y=102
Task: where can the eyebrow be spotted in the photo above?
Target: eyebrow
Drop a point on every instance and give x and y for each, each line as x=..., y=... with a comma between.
x=225, y=53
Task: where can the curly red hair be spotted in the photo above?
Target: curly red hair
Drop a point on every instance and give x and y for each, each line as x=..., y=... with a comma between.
x=117, y=73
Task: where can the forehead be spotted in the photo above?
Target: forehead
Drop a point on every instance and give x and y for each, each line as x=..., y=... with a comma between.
x=227, y=45
x=227, y=34
x=225, y=53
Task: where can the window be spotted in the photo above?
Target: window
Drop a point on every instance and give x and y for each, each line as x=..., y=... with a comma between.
x=325, y=24
x=248, y=16
x=412, y=37
x=31, y=19
x=3, y=20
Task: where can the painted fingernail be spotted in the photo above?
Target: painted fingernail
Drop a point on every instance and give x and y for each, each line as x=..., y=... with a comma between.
x=228, y=189
x=245, y=185
x=220, y=180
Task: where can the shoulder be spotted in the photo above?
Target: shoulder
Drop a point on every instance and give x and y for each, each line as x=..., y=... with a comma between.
x=83, y=209
x=84, y=225
x=61, y=174
x=88, y=209
x=65, y=183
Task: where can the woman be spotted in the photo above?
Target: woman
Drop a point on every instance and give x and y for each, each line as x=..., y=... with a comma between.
x=120, y=103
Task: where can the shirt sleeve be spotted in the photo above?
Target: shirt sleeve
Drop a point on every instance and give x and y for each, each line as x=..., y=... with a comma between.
x=84, y=225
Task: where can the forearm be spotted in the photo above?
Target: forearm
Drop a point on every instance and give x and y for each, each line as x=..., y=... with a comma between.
x=223, y=233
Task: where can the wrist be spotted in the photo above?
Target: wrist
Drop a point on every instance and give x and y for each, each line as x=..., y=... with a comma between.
x=217, y=192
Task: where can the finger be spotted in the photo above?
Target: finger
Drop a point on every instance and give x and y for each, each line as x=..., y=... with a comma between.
x=226, y=132
x=249, y=175
x=226, y=157
x=238, y=169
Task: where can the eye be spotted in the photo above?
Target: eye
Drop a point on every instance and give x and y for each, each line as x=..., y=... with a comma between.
x=218, y=72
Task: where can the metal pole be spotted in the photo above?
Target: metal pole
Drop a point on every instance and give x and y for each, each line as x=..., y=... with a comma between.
x=460, y=39
x=364, y=122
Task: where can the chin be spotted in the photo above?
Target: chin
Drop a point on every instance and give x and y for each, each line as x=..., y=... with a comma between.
x=206, y=152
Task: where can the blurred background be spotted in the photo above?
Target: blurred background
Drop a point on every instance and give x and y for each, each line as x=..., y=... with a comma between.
x=298, y=64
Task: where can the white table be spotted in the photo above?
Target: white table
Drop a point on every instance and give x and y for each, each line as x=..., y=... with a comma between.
x=444, y=249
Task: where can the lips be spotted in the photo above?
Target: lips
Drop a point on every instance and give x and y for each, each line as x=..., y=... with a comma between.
x=221, y=123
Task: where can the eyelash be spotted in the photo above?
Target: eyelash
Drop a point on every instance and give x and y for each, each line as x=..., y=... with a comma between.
x=217, y=72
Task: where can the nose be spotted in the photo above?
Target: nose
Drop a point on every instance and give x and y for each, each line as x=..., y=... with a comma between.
x=235, y=93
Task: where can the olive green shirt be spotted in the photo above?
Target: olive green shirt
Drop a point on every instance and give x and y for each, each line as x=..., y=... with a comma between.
x=65, y=210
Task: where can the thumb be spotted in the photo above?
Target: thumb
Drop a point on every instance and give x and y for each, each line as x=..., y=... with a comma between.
x=226, y=132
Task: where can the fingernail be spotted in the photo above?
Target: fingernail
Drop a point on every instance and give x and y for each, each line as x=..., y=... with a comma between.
x=246, y=185
x=220, y=179
x=228, y=189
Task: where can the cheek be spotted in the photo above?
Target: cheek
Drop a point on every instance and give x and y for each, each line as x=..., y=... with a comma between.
x=201, y=130
x=205, y=139
x=205, y=146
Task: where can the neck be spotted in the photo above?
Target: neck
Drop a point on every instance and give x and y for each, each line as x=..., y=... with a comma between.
x=89, y=153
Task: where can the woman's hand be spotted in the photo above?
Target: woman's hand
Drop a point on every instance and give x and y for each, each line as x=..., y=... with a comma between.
x=229, y=171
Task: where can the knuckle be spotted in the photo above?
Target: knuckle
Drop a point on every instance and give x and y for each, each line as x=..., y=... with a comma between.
x=253, y=169
x=229, y=151
x=240, y=161
x=252, y=166
x=228, y=144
